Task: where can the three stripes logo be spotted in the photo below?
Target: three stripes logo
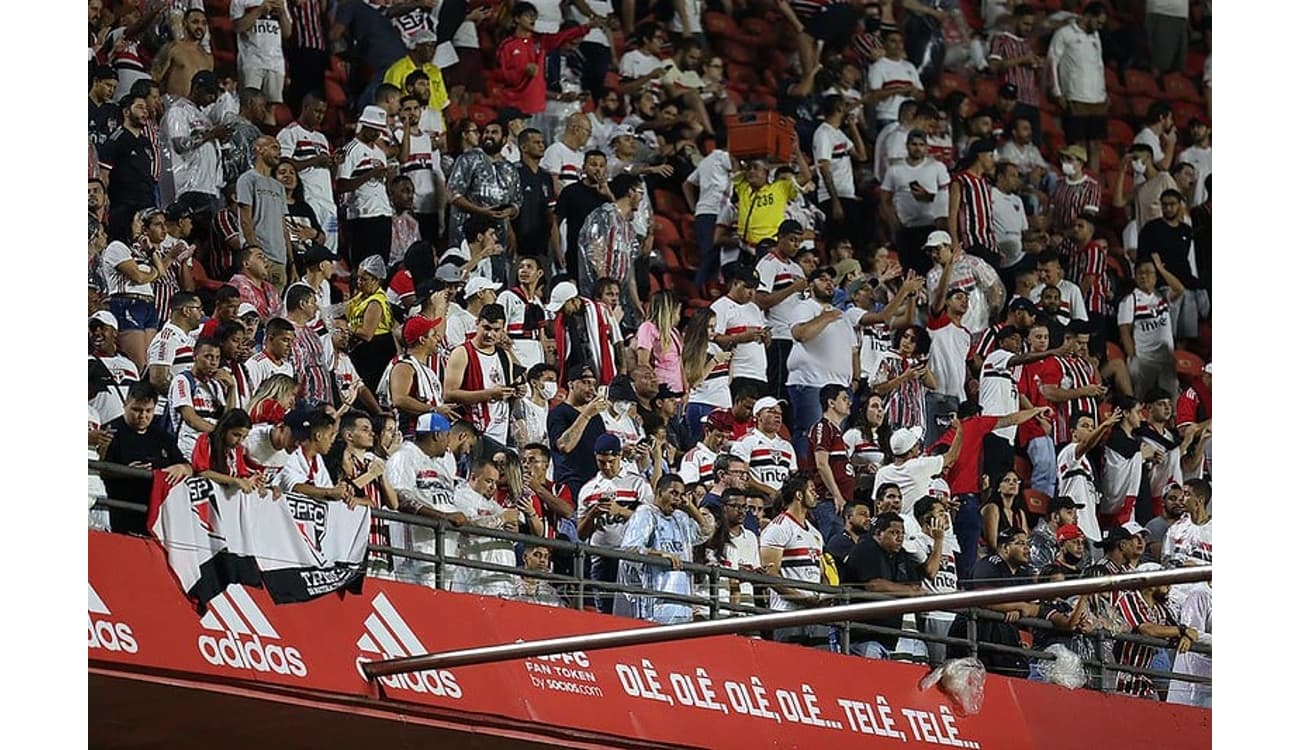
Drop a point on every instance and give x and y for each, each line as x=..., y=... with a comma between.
x=388, y=636
x=243, y=626
x=105, y=632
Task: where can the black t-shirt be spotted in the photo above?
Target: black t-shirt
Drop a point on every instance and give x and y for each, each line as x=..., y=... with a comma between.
x=104, y=119
x=1173, y=244
x=866, y=562
x=576, y=202
x=576, y=468
x=130, y=159
x=839, y=547
x=532, y=226
x=153, y=447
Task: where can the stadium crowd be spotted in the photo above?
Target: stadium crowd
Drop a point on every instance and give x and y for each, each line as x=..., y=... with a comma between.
x=494, y=263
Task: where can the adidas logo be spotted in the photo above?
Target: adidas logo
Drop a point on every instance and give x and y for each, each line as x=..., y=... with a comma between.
x=103, y=632
x=243, y=625
x=388, y=636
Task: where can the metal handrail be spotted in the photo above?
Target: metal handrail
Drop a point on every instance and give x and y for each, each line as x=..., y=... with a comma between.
x=712, y=602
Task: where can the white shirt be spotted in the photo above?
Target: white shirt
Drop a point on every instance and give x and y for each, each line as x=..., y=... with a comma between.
x=801, y=552
x=998, y=393
x=886, y=71
x=563, y=163
x=371, y=198
x=912, y=477
x=1025, y=157
x=874, y=340
x=1153, y=332
x=119, y=283
x=297, y=142
x=110, y=404
x=713, y=178
x=1009, y=223
x=261, y=453
x=891, y=147
x=206, y=397
x=832, y=145
x=260, y=47
x=197, y=170
x=689, y=24
x=1200, y=158
x=974, y=276
x=548, y=16
x=459, y=324
x=602, y=9
x=748, y=360
x=827, y=357
x=775, y=274
x=636, y=63
x=419, y=167
x=627, y=490
x=298, y=470
x=260, y=367
x=697, y=465
x=1148, y=136
x=1072, y=303
x=771, y=459
x=949, y=348
x=1077, y=71
x=933, y=179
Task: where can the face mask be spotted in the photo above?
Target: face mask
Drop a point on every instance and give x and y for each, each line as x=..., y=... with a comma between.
x=1139, y=166
x=1069, y=169
x=621, y=408
x=549, y=390
x=872, y=25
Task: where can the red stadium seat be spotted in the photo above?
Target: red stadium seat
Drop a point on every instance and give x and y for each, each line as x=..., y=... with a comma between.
x=482, y=114
x=1119, y=131
x=669, y=204
x=1113, y=84
x=739, y=53
x=1180, y=88
x=951, y=82
x=720, y=24
x=1138, y=105
x=335, y=96
x=1036, y=501
x=986, y=91
x=742, y=76
x=1022, y=468
x=666, y=232
x=1189, y=365
x=1114, y=351
x=283, y=115
x=1141, y=83
x=1185, y=111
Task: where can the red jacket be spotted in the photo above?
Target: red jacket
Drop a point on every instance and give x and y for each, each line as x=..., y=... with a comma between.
x=522, y=91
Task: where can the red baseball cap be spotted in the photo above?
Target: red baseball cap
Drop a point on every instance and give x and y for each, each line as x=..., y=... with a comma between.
x=417, y=327
x=1068, y=532
x=720, y=419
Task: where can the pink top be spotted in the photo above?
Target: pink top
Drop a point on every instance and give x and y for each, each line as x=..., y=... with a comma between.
x=668, y=365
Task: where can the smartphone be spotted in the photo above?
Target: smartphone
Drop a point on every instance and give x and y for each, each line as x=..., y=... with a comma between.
x=602, y=391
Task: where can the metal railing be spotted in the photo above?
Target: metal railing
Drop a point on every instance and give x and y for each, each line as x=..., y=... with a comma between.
x=581, y=591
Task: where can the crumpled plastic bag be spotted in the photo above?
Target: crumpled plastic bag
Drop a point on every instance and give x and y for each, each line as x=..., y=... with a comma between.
x=962, y=680
x=1066, y=669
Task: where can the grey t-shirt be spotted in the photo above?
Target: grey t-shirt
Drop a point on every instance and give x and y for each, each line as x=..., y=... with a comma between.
x=266, y=196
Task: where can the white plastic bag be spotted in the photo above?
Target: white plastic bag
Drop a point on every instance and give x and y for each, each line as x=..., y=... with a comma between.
x=1066, y=669
x=963, y=680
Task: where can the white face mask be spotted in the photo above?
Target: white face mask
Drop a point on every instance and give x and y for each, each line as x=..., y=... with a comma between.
x=621, y=408
x=1069, y=169
x=1139, y=166
x=549, y=390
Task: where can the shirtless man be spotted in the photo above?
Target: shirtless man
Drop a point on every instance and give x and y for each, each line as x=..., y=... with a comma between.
x=178, y=61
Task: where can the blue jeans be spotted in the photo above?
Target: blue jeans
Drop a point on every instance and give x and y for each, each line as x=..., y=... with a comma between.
x=827, y=521
x=967, y=527
x=703, y=228
x=805, y=411
x=694, y=413
x=1042, y=460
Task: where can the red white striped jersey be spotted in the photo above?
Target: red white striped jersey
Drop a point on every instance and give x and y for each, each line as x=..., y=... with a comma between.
x=697, y=465
x=1069, y=199
x=309, y=24
x=774, y=274
x=627, y=490
x=801, y=552
x=1005, y=46
x=868, y=45
x=312, y=353
x=425, y=386
x=771, y=459
x=1090, y=261
x=225, y=226
x=155, y=140
x=1075, y=372
x=975, y=220
x=1136, y=611
x=172, y=348
x=941, y=149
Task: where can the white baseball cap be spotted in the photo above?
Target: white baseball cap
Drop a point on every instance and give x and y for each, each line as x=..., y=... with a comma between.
x=938, y=237
x=478, y=284
x=939, y=488
x=106, y=318
x=904, y=440
x=1135, y=528
x=563, y=292
x=1206, y=369
x=767, y=402
x=246, y=308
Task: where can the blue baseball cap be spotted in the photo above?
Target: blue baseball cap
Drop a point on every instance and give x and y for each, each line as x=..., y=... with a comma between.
x=431, y=422
x=607, y=444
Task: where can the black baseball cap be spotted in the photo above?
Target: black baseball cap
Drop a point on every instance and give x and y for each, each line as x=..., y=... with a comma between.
x=740, y=272
x=581, y=372
x=1021, y=303
x=104, y=73
x=177, y=211
x=1114, y=536
x=789, y=226
x=506, y=114
x=667, y=391
x=316, y=253
x=1060, y=502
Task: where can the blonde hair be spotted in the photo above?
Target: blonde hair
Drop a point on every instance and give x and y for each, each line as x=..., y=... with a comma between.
x=695, y=347
x=273, y=388
x=665, y=309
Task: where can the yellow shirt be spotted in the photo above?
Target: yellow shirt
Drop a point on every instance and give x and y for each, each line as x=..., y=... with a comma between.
x=759, y=213
x=398, y=71
x=357, y=312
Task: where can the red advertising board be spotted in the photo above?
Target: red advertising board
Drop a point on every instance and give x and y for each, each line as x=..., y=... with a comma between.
x=719, y=692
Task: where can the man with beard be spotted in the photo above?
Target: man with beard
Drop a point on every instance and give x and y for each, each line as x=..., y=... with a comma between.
x=483, y=182
x=608, y=245
x=480, y=376
x=1043, y=540
x=698, y=464
x=309, y=149
x=1146, y=612
x=670, y=527
x=577, y=201
x=1009, y=566
x=196, y=155
x=364, y=173
x=105, y=115
x=111, y=374
x=1157, y=528
x=771, y=457
x=824, y=352
x=857, y=524
x=127, y=162
x=178, y=61
x=535, y=231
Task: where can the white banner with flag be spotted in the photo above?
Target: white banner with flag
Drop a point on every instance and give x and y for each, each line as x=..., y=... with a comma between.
x=297, y=547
